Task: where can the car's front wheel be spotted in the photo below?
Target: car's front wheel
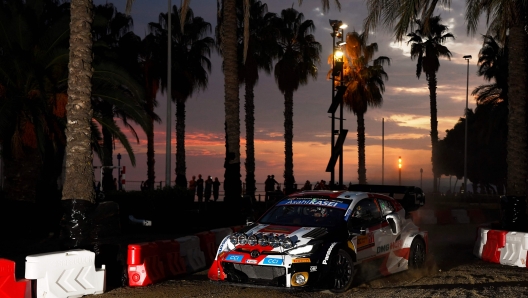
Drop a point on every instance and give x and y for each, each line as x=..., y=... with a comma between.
x=417, y=253
x=342, y=272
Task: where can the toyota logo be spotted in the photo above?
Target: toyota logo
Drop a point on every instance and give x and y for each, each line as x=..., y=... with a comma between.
x=254, y=254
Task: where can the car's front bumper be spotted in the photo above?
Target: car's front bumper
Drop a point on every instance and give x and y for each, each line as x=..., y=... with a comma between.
x=268, y=270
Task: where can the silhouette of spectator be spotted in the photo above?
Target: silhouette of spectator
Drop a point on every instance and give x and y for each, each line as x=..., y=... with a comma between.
x=192, y=187
x=216, y=188
x=321, y=185
x=115, y=183
x=208, y=188
x=307, y=185
x=199, y=188
x=268, y=188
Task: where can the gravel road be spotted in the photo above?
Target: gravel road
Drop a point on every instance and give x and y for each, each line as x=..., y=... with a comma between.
x=451, y=271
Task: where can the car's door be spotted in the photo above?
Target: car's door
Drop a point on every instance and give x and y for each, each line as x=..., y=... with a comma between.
x=386, y=238
x=365, y=220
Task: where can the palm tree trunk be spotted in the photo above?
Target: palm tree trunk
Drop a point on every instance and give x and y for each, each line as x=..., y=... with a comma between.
x=289, y=180
x=78, y=192
x=362, y=171
x=181, y=167
x=431, y=82
x=250, y=140
x=516, y=143
x=232, y=183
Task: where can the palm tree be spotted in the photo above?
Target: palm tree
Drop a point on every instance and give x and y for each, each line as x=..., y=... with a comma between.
x=508, y=19
x=117, y=92
x=364, y=87
x=191, y=49
x=261, y=48
x=152, y=67
x=227, y=28
x=299, y=55
x=400, y=15
x=33, y=69
x=493, y=66
x=426, y=48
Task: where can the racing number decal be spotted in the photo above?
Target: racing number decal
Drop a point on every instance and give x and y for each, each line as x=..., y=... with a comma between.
x=365, y=241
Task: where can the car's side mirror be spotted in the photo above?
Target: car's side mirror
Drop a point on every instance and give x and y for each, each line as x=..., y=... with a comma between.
x=394, y=222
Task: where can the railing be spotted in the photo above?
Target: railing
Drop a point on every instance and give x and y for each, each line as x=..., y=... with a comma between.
x=131, y=185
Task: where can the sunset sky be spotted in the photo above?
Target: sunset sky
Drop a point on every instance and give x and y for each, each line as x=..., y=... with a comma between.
x=405, y=107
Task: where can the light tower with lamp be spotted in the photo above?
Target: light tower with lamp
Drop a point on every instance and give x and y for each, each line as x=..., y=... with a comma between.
x=467, y=57
x=337, y=101
x=399, y=169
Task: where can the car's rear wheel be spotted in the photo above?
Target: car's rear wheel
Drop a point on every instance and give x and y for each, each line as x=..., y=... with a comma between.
x=417, y=253
x=342, y=271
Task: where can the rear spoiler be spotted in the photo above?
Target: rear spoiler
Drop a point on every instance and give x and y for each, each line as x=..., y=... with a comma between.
x=410, y=197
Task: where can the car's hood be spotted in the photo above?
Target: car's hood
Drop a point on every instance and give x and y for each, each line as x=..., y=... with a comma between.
x=298, y=234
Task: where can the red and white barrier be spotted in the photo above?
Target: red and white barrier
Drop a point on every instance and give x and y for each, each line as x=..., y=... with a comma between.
x=220, y=234
x=9, y=286
x=482, y=238
x=208, y=246
x=496, y=240
x=65, y=274
x=515, y=249
x=144, y=264
x=191, y=253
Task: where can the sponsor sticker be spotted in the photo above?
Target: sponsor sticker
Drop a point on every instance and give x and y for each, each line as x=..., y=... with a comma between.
x=234, y=258
x=301, y=260
x=251, y=261
x=325, y=261
x=272, y=261
x=365, y=241
x=313, y=268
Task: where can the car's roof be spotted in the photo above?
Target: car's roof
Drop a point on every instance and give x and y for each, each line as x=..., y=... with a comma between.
x=331, y=194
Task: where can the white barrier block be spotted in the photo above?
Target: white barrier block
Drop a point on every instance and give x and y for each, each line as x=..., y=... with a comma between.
x=65, y=274
x=220, y=234
x=427, y=216
x=460, y=215
x=482, y=238
x=191, y=253
x=514, y=252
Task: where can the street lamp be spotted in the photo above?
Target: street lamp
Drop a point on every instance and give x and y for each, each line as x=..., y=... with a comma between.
x=467, y=57
x=399, y=169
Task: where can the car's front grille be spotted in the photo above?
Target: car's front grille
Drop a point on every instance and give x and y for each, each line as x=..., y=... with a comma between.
x=254, y=274
x=261, y=272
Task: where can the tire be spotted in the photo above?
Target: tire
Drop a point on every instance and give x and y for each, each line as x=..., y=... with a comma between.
x=417, y=254
x=342, y=272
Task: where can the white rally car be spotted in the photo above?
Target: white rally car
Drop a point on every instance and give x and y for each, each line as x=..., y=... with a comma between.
x=321, y=238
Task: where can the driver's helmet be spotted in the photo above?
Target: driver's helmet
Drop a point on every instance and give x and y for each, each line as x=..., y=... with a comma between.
x=317, y=211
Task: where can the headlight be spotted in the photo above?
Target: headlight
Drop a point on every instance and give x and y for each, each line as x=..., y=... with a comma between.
x=263, y=241
x=234, y=238
x=242, y=239
x=286, y=243
x=252, y=240
x=274, y=241
x=301, y=250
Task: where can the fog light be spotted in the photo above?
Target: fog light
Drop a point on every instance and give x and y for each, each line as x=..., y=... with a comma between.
x=299, y=279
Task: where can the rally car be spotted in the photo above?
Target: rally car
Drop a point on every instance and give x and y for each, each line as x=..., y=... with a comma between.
x=320, y=239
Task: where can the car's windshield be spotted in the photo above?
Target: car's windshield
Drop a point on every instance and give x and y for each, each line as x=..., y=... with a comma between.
x=303, y=212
